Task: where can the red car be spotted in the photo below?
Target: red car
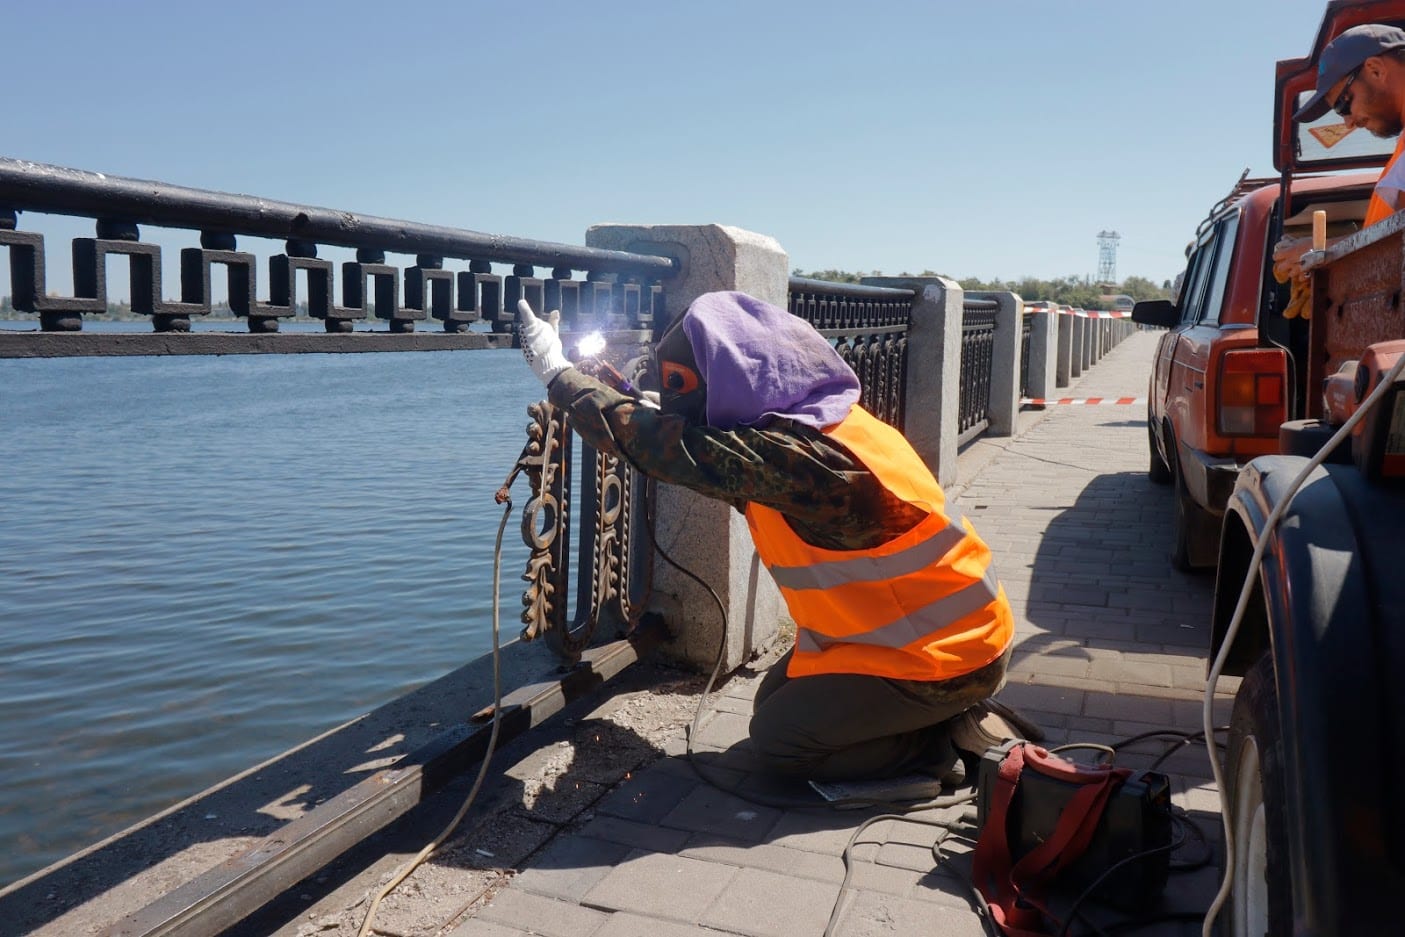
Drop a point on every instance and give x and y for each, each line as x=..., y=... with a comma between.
x=1227, y=372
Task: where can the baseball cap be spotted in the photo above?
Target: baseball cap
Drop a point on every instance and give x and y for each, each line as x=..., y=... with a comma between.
x=1345, y=54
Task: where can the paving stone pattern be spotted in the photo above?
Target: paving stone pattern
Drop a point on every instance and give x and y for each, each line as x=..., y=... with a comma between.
x=1111, y=643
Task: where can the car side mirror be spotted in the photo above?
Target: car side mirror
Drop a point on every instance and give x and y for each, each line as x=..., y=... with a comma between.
x=1161, y=313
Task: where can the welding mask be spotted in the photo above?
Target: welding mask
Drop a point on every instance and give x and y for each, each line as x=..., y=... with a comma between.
x=680, y=384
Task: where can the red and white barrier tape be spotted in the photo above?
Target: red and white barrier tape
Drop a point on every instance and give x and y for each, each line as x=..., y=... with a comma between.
x=1089, y=401
x=1086, y=313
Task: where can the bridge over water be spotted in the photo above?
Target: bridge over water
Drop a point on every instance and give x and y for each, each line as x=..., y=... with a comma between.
x=1111, y=640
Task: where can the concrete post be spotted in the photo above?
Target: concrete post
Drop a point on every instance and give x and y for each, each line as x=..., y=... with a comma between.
x=704, y=535
x=1075, y=367
x=1043, y=352
x=1005, y=362
x=1087, y=350
x=1062, y=370
x=933, y=391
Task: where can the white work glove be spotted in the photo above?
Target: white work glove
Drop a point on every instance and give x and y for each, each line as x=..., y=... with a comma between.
x=541, y=345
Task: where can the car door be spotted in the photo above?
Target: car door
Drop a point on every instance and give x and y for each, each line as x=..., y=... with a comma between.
x=1199, y=333
x=1167, y=381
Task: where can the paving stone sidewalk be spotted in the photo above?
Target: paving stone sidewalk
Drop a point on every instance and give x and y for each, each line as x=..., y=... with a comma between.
x=1111, y=643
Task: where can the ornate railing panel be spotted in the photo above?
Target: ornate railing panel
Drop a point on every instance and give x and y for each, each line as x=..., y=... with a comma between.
x=610, y=543
x=977, y=354
x=472, y=307
x=868, y=326
x=1026, y=330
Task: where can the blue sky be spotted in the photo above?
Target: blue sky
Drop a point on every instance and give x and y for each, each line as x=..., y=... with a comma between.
x=986, y=139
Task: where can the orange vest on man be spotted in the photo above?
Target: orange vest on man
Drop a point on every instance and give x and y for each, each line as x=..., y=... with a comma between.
x=923, y=606
x=1378, y=209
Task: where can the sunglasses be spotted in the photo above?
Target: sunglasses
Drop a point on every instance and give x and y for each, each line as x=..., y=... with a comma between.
x=1343, y=105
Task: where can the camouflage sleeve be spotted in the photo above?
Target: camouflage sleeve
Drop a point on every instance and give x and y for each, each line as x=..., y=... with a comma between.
x=796, y=470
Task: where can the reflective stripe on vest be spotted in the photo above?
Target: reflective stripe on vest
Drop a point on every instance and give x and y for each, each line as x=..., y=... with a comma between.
x=915, y=624
x=873, y=568
x=923, y=605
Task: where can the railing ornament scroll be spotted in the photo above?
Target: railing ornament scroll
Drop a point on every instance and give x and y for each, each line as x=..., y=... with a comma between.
x=615, y=591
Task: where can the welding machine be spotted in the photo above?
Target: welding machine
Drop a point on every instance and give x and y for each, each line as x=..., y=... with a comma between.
x=1133, y=819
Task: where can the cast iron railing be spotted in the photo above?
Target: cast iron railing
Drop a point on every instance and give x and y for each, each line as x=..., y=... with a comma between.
x=474, y=307
x=1026, y=330
x=977, y=355
x=868, y=325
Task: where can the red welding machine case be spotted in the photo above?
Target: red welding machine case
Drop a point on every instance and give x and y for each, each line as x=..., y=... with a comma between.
x=1135, y=819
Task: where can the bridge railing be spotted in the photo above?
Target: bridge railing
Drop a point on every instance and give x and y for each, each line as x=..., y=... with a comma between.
x=977, y=356
x=619, y=291
x=868, y=326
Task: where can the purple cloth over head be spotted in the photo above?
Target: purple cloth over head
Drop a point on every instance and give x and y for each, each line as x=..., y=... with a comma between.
x=760, y=362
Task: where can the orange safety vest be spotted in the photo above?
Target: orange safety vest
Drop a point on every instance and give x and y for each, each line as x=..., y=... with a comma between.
x=924, y=606
x=1378, y=209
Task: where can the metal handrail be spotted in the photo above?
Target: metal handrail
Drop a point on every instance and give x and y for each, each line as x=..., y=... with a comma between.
x=28, y=186
x=859, y=290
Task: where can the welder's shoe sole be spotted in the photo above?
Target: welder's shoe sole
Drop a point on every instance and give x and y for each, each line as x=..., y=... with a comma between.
x=990, y=724
x=1024, y=727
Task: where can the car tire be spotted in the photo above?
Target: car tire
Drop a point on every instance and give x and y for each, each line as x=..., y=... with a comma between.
x=1158, y=471
x=1189, y=545
x=1261, y=899
x=1181, y=530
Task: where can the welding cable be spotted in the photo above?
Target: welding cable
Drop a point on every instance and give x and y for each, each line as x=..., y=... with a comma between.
x=1207, y=852
x=1094, y=746
x=1073, y=910
x=1232, y=632
x=1190, y=739
x=1187, y=828
x=946, y=826
x=435, y=843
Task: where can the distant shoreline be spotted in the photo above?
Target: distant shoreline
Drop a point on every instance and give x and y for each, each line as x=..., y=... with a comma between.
x=11, y=316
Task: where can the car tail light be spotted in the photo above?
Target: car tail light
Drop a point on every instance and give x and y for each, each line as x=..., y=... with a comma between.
x=1252, y=392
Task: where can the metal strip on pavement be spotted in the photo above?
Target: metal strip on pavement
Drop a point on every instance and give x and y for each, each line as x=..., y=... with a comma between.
x=231, y=891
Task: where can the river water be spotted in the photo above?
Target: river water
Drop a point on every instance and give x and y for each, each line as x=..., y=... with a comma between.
x=206, y=560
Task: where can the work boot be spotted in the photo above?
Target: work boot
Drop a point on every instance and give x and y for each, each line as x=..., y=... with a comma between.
x=1026, y=728
x=989, y=724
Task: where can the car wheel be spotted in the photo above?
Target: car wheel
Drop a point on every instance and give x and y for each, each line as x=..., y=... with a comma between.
x=1158, y=471
x=1180, y=546
x=1194, y=527
x=1260, y=904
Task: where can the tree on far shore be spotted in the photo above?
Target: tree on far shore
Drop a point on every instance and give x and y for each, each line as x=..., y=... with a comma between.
x=1073, y=290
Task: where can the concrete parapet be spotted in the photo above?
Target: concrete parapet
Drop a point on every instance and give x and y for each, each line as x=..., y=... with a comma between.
x=933, y=392
x=702, y=534
x=1004, y=362
x=1075, y=347
x=1065, y=351
x=1043, y=353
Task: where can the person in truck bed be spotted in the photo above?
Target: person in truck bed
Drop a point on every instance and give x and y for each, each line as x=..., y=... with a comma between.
x=902, y=629
x=1361, y=76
